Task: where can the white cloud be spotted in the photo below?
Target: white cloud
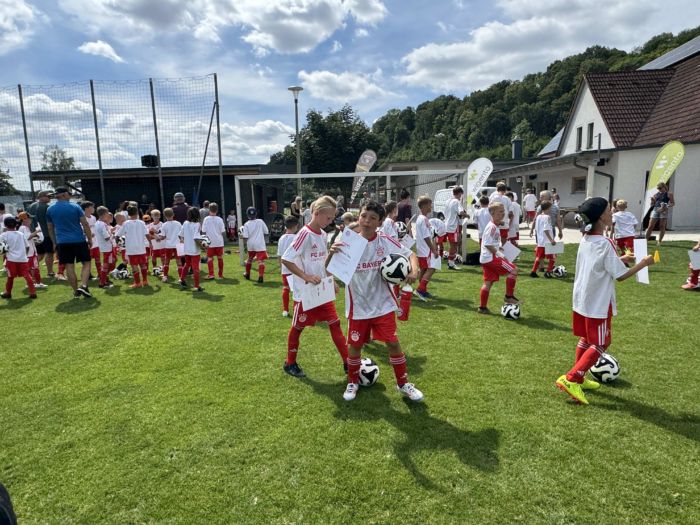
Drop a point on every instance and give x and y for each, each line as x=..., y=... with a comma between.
x=361, y=32
x=100, y=49
x=537, y=34
x=282, y=26
x=18, y=23
x=341, y=87
x=337, y=46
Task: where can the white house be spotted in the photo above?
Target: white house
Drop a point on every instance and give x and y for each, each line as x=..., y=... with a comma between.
x=616, y=126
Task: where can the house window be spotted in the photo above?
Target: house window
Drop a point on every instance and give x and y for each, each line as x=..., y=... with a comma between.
x=579, y=138
x=578, y=185
x=589, y=138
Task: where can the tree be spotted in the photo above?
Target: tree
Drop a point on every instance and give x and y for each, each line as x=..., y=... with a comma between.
x=54, y=158
x=6, y=187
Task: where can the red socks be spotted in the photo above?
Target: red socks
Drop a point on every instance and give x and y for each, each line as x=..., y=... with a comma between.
x=484, y=297
x=285, y=298
x=584, y=363
x=248, y=264
x=339, y=340
x=581, y=348
x=261, y=269
x=694, y=276
x=510, y=285
x=398, y=362
x=293, y=345
x=423, y=286
x=220, y=264
x=550, y=264
x=210, y=266
x=354, y=369
x=137, y=275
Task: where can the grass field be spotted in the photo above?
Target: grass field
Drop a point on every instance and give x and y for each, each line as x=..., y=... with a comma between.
x=164, y=406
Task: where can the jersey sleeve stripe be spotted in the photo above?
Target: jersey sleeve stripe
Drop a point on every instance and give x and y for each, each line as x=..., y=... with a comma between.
x=298, y=242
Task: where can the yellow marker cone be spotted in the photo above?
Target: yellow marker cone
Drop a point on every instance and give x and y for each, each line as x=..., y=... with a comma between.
x=657, y=257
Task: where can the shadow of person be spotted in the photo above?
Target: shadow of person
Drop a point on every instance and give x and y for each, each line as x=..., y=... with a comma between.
x=379, y=353
x=76, y=306
x=538, y=323
x=204, y=296
x=421, y=431
x=684, y=424
x=15, y=304
x=227, y=280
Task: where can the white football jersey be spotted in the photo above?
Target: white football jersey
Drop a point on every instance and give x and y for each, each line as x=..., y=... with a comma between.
x=497, y=197
x=213, y=227
x=491, y=237
x=308, y=251
x=92, y=221
x=189, y=232
x=452, y=210
x=255, y=231
x=368, y=295
x=16, y=246
x=284, y=242
x=134, y=232
x=171, y=230
x=542, y=223
x=423, y=230
x=625, y=224
x=103, y=237
x=389, y=228
x=31, y=246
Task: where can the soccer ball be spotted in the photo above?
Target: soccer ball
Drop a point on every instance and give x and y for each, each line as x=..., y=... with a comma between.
x=395, y=268
x=606, y=369
x=121, y=242
x=369, y=372
x=559, y=271
x=510, y=311
x=121, y=272
x=401, y=229
x=204, y=241
x=157, y=271
x=4, y=248
x=458, y=259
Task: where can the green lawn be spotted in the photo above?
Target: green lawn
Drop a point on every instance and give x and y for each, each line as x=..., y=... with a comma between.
x=164, y=406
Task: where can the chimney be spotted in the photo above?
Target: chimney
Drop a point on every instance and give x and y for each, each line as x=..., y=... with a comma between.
x=517, y=148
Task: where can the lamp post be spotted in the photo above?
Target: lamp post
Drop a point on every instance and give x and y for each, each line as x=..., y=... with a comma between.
x=295, y=91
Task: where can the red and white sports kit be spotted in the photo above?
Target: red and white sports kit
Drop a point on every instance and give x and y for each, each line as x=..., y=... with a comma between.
x=594, y=304
x=370, y=306
x=453, y=226
x=157, y=245
x=505, y=226
x=482, y=218
x=389, y=228
x=492, y=266
x=625, y=223
x=94, y=248
x=189, y=232
x=134, y=232
x=231, y=225
x=514, y=228
x=284, y=242
x=254, y=231
x=543, y=224
x=308, y=252
x=530, y=205
x=16, y=260
x=103, y=238
x=171, y=231
x=423, y=231
x=214, y=228
x=437, y=226
x=32, y=257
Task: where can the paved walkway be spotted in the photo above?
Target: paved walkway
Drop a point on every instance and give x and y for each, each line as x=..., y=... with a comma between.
x=572, y=235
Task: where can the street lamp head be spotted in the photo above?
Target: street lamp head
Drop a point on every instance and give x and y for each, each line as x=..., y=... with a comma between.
x=295, y=90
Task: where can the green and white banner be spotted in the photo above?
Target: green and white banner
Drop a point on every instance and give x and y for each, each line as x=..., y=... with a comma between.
x=477, y=173
x=666, y=162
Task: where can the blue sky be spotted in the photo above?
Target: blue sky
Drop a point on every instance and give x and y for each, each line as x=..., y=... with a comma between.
x=373, y=54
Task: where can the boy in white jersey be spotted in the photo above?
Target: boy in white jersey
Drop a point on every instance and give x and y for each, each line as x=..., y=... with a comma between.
x=454, y=213
x=306, y=259
x=492, y=261
x=191, y=236
x=529, y=206
x=254, y=231
x=514, y=228
x=135, y=236
x=624, y=226
x=482, y=216
x=16, y=261
x=437, y=226
x=33, y=238
x=597, y=268
x=214, y=228
x=231, y=225
x=544, y=234
x=425, y=248
x=291, y=225
x=370, y=306
x=89, y=211
x=391, y=211
x=120, y=219
x=170, y=235
x=157, y=243
x=103, y=237
x=500, y=196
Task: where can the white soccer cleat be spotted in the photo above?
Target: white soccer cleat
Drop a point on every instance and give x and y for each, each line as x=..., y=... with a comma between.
x=351, y=391
x=285, y=314
x=410, y=391
x=40, y=286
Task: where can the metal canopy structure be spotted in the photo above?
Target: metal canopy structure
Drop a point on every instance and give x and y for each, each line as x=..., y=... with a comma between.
x=277, y=176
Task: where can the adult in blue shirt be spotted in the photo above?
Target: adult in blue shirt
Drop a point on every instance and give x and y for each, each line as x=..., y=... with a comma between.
x=69, y=231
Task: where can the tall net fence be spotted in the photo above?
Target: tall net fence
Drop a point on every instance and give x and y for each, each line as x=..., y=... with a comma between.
x=61, y=134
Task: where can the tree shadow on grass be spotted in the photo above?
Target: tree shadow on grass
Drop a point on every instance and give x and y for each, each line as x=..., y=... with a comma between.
x=77, y=306
x=684, y=424
x=15, y=304
x=421, y=431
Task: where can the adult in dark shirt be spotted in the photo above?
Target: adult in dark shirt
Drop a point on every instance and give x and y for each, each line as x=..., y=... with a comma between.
x=37, y=210
x=295, y=208
x=180, y=207
x=405, y=209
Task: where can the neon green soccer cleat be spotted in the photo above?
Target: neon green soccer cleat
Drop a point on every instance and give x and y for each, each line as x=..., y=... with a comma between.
x=571, y=388
x=589, y=384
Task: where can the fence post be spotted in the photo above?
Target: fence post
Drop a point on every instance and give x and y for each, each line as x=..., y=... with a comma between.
x=97, y=141
x=155, y=131
x=26, y=140
x=218, y=141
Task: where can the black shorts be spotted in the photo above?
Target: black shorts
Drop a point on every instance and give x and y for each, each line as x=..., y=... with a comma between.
x=72, y=252
x=46, y=246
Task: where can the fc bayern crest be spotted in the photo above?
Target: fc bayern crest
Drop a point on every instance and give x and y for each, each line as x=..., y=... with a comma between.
x=355, y=336
x=302, y=318
x=380, y=252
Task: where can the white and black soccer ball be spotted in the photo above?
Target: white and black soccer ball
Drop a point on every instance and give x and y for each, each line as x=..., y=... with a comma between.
x=559, y=271
x=121, y=242
x=510, y=311
x=606, y=369
x=157, y=271
x=121, y=272
x=395, y=268
x=4, y=248
x=369, y=372
x=401, y=229
x=205, y=241
x=458, y=259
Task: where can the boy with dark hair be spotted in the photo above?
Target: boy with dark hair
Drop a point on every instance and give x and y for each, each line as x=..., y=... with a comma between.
x=135, y=237
x=391, y=211
x=291, y=225
x=370, y=306
x=103, y=237
x=191, y=235
x=543, y=234
x=33, y=238
x=16, y=261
